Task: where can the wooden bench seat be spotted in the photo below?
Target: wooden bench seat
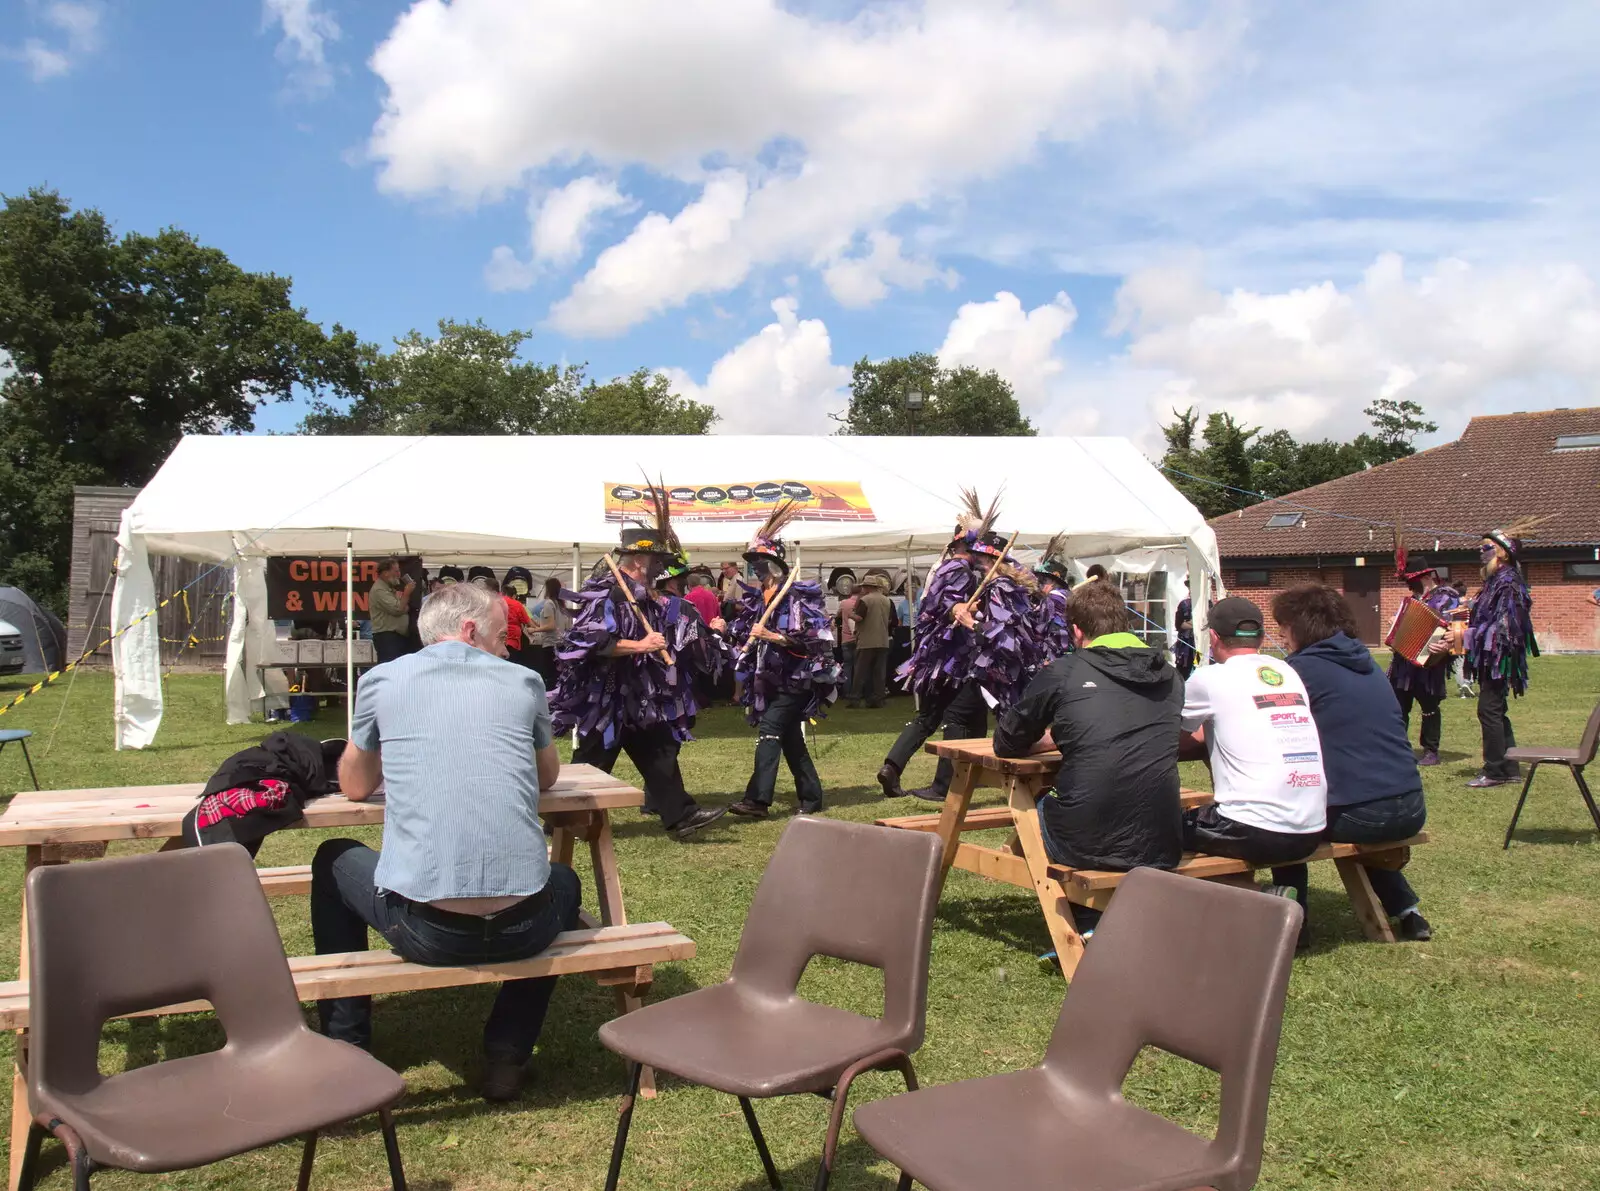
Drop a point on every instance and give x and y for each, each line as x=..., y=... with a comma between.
x=614, y=954
x=1209, y=868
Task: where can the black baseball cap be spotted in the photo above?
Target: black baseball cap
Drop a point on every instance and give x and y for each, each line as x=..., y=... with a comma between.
x=1235, y=617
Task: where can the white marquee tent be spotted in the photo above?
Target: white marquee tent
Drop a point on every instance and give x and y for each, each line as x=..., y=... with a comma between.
x=541, y=501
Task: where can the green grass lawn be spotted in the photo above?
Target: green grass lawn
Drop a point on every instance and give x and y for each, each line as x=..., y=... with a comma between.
x=1470, y=1062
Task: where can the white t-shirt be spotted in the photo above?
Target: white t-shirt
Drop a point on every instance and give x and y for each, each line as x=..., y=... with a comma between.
x=1266, y=759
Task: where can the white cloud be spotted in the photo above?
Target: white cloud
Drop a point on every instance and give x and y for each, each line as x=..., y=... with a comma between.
x=567, y=216
x=506, y=271
x=803, y=133
x=782, y=380
x=77, y=28
x=307, y=30
x=1020, y=345
x=1457, y=339
x=857, y=281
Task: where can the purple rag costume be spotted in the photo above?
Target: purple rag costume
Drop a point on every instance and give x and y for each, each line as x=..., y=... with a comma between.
x=1000, y=654
x=804, y=666
x=1500, y=631
x=612, y=695
x=1052, y=631
x=1429, y=681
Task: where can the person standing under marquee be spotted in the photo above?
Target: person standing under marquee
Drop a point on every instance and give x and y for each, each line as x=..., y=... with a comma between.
x=389, y=607
x=1052, y=630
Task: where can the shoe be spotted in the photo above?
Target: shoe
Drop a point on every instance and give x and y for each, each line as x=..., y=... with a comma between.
x=503, y=1080
x=810, y=810
x=1302, y=943
x=701, y=816
x=746, y=809
x=1414, y=928
x=889, y=779
x=927, y=794
x=1429, y=758
x=1484, y=782
x=650, y=810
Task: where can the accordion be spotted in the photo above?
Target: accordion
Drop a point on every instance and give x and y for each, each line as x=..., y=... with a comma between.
x=1415, y=629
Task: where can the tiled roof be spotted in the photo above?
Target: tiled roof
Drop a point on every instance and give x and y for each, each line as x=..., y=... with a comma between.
x=1503, y=468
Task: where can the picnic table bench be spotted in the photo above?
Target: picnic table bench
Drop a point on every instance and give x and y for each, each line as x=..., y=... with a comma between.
x=1023, y=861
x=58, y=826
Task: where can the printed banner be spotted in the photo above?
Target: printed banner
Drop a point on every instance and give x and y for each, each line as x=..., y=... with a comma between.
x=312, y=588
x=818, y=500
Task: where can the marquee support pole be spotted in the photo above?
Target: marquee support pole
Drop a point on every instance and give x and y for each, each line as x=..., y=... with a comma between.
x=349, y=635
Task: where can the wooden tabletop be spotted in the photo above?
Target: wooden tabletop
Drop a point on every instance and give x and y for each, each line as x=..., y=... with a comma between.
x=981, y=752
x=156, y=812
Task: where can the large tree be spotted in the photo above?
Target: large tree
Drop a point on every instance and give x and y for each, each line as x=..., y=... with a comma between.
x=1227, y=465
x=116, y=349
x=471, y=379
x=954, y=401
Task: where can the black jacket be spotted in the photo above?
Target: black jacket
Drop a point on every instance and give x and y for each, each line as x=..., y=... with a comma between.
x=1365, y=748
x=309, y=768
x=1114, y=714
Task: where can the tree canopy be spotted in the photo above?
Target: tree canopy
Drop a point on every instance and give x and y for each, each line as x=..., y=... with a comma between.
x=119, y=347
x=1225, y=465
x=955, y=401
x=470, y=379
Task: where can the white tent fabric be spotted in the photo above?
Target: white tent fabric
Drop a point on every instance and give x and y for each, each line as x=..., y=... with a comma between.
x=536, y=500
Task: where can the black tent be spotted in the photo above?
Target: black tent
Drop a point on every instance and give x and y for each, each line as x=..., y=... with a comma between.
x=44, y=641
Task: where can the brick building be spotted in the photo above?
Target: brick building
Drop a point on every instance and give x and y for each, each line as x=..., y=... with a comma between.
x=1501, y=469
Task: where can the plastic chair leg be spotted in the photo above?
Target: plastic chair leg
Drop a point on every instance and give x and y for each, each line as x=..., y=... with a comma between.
x=391, y=1150
x=624, y=1119
x=1533, y=768
x=761, y=1143
x=30, y=1158
x=1583, y=788
x=307, y=1157
x=29, y=760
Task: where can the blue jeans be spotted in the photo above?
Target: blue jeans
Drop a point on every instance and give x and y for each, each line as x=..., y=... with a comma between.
x=1377, y=822
x=345, y=901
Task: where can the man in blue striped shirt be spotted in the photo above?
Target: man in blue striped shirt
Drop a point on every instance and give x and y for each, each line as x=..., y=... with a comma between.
x=458, y=740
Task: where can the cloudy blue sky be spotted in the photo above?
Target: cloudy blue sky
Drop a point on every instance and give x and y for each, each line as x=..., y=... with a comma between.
x=1281, y=210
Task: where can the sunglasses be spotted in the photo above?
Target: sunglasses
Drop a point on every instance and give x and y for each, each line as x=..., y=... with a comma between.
x=1487, y=548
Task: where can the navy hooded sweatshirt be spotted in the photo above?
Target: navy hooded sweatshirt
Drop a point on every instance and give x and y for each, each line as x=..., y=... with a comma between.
x=1366, y=751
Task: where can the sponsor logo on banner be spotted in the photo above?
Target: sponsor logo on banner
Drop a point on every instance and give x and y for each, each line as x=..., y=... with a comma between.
x=1280, y=699
x=748, y=500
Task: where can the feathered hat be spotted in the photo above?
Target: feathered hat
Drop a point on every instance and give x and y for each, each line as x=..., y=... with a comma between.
x=975, y=525
x=1510, y=537
x=1052, y=564
x=765, y=542
x=1407, y=569
x=658, y=538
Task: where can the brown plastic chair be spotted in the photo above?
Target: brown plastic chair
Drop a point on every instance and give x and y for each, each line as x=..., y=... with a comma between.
x=1573, y=759
x=1193, y=968
x=847, y=890
x=112, y=937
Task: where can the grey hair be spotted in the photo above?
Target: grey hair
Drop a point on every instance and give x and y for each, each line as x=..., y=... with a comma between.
x=446, y=610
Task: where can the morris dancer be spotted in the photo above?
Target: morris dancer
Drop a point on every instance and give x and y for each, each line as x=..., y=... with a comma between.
x=617, y=686
x=1423, y=684
x=1052, y=631
x=1498, y=639
x=786, y=670
x=963, y=651
x=697, y=643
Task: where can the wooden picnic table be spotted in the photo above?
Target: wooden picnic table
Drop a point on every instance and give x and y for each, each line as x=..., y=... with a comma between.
x=1023, y=861
x=58, y=826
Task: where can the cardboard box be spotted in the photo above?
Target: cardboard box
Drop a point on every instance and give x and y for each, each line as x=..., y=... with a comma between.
x=309, y=653
x=280, y=651
x=363, y=653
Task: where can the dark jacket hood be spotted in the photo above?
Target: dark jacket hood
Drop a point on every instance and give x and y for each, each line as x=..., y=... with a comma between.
x=1341, y=651
x=1130, y=667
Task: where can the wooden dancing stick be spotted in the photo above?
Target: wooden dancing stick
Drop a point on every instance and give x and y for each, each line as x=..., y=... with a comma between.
x=978, y=591
x=627, y=591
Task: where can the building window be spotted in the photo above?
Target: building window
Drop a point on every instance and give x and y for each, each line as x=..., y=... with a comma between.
x=1285, y=520
x=1582, y=570
x=1442, y=573
x=1577, y=442
x=1253, y=579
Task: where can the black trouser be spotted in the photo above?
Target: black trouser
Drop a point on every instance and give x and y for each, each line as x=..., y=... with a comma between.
x=1206, y=829
x=388, y=646
x=1493, y=695
x=964, y=715
x=781, y=733
x=871, y=676
x=1431, y=719
x=543, y=659
x=847, y=667
x=654, y=754
x=345, y=901
x=1376, y=822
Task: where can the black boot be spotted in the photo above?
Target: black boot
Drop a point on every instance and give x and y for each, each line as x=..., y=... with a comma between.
x=889, y=779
